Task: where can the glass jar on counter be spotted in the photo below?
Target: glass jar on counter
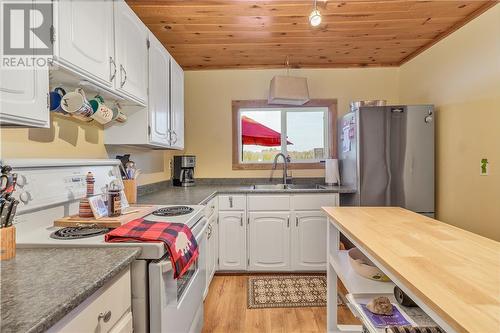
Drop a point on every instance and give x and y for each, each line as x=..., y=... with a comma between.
x=114, y=199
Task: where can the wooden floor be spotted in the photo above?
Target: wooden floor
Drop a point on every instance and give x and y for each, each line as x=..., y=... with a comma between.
x=226, y=311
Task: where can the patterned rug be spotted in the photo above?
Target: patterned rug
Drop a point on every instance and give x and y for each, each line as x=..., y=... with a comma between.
x=286, y=291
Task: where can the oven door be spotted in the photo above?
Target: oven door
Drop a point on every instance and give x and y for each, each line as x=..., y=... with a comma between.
x=174, y=305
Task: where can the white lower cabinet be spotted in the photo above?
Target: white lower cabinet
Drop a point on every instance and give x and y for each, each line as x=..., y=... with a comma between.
x=232, y=240
x=125, y=325
x=283, y=232
x=212, y=249
x=309, y=240
x=107, y=310
x=269, y=241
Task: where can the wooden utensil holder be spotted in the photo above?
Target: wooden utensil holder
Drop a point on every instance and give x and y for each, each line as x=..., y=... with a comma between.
x=130, y=188
x=8, y=243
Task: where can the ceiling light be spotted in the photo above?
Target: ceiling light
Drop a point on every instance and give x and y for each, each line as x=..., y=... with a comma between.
x=289, y=90
x=315, y=17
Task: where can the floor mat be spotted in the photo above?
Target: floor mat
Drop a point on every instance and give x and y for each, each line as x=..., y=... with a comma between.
x=287, y=291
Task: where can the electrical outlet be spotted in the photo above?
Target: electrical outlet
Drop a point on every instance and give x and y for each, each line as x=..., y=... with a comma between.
x=484, y=167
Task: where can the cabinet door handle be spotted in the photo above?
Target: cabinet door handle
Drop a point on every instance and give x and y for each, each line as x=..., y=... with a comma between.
x=230, y=202
x=122, y=70
x=241, y=220
x=175, y=137
x=288, y=222
x=296, y=221
x=169, y=137
x=112, y=62
x=105, y=317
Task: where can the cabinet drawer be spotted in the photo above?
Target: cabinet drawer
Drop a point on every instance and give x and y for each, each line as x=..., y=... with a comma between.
x=268, y=202
x=125, y=325
x=113, y=298
x=313, y=201
x=211, y=207
x=232, y=202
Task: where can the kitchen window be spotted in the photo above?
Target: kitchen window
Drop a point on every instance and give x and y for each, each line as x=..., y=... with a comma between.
x=261, y=131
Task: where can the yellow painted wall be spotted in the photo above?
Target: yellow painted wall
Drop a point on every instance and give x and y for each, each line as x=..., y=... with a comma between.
x=461, y=76
x=208, y=107
x=68, y=138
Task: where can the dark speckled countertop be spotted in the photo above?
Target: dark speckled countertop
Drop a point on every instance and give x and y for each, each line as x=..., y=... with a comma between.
x=201, y=193
x=40, y=286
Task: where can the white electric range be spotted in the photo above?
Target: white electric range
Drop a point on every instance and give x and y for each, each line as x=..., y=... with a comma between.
x=50, y=189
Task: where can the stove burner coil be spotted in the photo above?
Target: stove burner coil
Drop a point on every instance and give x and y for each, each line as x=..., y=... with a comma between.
x=78, y=232
x=173, y=211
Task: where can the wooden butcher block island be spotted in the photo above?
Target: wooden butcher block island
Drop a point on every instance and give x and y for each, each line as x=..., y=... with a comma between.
x=452, y=274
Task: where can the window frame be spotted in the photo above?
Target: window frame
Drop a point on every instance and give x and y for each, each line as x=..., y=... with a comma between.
x=331, y=129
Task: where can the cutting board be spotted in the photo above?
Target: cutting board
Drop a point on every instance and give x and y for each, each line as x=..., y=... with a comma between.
x=134, y=212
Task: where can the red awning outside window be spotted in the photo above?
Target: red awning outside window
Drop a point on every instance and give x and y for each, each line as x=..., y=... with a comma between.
x=254, y=133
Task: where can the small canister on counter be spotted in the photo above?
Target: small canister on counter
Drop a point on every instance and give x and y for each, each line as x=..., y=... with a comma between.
x=114, y=199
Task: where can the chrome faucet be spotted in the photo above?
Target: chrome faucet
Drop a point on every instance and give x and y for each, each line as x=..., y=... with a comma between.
x=286, y=160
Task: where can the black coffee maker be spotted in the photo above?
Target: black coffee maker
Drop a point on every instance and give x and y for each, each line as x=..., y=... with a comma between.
x=184, y=170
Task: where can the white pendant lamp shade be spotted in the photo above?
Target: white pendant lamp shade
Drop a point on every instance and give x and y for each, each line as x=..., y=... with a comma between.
x=289, y=90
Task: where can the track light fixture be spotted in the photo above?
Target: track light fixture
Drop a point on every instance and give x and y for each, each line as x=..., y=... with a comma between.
x=315, y=16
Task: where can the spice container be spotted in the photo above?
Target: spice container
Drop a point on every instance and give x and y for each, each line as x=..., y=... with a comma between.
x=114, y=199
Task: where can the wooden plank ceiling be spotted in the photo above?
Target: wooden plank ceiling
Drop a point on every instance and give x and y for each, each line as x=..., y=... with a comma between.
x=213, y=34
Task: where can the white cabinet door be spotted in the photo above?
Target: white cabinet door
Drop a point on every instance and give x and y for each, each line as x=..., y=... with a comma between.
x=85, y=37
x=23, y=92
x=309, y=241
x=212, y=245
x=208, y=259
x=131, y=51
x=232, y=241
x=215, y=241
x=269, y=241
x=177, y=103
x=159, y=93
x=23, y=97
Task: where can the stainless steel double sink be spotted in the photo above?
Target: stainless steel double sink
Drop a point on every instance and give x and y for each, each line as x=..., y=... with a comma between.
x=287, y=187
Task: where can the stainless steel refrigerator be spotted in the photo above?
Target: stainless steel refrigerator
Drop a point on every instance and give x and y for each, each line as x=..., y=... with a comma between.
x=387, y=154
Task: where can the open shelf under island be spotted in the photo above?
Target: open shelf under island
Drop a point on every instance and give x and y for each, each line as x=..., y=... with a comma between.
x=451, y=274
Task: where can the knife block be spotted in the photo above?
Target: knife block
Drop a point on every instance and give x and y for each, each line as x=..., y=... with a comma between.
x=8, y=243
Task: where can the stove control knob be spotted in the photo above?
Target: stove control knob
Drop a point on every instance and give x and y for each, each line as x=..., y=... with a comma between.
x=21, y=181
x=25, y=197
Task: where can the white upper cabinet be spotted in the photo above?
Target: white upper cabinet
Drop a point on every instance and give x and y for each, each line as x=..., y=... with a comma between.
x=23, y=97
x=269, y=241
x=131, y=36
x=23, y=92
x=309, y=241
x=84, y=38
x=177, y=104
x=159, y=93
x=232, y=241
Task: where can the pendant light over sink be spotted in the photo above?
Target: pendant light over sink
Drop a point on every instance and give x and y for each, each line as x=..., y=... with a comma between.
x=315, y=16
x=289, y=90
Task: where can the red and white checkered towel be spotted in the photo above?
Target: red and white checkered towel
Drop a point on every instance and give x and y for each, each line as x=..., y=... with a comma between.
x=177, y=237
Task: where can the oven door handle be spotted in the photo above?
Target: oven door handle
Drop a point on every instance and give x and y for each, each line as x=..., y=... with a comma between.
x=201, y=234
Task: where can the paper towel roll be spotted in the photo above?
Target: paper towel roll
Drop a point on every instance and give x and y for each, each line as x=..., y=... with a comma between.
x=332, y=175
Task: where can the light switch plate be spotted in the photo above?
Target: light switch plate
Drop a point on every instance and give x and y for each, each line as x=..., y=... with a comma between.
x=483, y=168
